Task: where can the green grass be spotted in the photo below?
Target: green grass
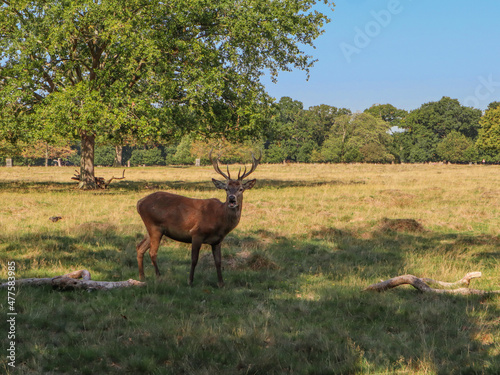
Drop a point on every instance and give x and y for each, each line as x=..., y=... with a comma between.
x=311, y=238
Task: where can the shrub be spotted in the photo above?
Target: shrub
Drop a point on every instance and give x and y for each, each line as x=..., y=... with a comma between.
x=183, y=152
x=455, y=147
x=104, y=155
x=275, y=154
x=151, y=156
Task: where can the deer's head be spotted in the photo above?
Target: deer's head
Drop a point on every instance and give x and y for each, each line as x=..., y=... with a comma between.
x=234, y=188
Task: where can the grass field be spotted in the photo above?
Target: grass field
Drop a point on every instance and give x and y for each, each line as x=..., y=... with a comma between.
x=310, y=239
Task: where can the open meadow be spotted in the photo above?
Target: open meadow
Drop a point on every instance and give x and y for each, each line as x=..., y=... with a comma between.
x=311, y=238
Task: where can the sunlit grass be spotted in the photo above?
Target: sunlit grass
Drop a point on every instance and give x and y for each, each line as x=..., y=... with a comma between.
x=310, y=239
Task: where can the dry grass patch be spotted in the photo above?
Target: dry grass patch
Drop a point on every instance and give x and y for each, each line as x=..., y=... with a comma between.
x=311, y=238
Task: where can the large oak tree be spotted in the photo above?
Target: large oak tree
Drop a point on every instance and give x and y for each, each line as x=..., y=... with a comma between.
x=150, y=70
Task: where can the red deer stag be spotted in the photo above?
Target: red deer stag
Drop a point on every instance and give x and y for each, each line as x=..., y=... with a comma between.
x=195, y=221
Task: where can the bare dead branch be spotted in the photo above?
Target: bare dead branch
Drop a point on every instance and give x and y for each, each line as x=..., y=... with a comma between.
x=422, y=285
x=114, y=178
x=76, y=280
x=99, y=181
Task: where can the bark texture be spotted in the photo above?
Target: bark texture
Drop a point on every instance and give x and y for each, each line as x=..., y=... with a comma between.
x=422, y=284
x=87, y=178
x=76, y=280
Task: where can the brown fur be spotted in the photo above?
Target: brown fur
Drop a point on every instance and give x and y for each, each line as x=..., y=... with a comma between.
x=195, y=221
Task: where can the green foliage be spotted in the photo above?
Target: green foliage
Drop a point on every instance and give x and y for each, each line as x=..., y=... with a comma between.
x=305, y=150
x=493, y=105
x=318, y=121
x=441, y=117
x=105, y=156
x=356, y=138
x=331, y=151
x=169, y=152
x=428, y=125
x=283, y=135
x=275, y=154
x=388, y=113
x=456, y=147
x=150, y=156
x=8, y=150
x=153, y=156
x=145, y=70
x=489, y=134
x=183, y=152
x=295, y=133
x=136, y=157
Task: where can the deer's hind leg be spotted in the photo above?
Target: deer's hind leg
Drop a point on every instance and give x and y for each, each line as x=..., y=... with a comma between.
x=154, y=244
x=141, y=248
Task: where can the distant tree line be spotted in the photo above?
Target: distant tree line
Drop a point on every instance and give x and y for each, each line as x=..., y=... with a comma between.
x=437, y=131
x=443, y=130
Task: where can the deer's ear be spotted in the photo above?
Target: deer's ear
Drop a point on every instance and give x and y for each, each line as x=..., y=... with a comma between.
x=249, y=184
x=219, y=184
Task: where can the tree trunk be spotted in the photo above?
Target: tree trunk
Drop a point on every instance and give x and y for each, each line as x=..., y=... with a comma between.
x=87, y=178
x=118, y=156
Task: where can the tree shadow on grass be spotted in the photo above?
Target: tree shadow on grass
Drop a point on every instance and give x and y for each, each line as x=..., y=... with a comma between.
x=27, y=186
x=296, y=304
x=97, y=247
x=400, y=329
x=121, y=187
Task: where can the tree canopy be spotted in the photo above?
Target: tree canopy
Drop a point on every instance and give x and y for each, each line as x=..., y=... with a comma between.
x=295, y=133
x=356, y=138
x=489, y=134
x=388, y=113
x=318, y=134
x=145, y=69
x=428, y=125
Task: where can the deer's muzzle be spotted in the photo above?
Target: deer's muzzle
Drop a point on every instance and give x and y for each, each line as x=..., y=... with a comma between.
x=232, y=202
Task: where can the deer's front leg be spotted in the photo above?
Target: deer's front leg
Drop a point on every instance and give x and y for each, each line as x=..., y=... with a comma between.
x=195, y=253
x=218, y=260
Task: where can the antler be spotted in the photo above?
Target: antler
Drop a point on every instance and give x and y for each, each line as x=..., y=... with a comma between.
x=215, y=163
x=255, y=163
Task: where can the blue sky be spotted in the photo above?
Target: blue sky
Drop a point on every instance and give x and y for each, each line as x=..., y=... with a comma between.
x=402, y=52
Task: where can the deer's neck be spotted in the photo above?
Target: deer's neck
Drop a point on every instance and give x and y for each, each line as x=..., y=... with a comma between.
x=233, y=215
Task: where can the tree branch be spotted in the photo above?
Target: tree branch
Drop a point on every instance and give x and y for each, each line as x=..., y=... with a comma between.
x=422, y=285
x=76, y=280
x=137, y=76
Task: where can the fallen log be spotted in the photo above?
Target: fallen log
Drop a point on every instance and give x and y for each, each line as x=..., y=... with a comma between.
x=76, y=280
x=422, y=284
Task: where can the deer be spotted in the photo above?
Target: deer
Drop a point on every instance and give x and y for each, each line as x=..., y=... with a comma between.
x=194, y=221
